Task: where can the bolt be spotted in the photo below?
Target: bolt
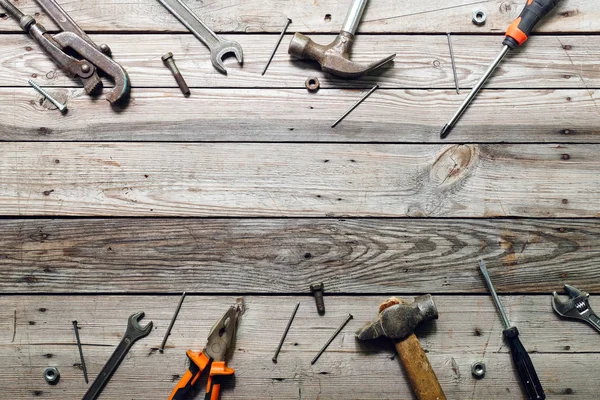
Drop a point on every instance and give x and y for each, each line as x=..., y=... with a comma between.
x=61, y=107
x=287, y=329
x=479, y=17
x=317, y=291
x=478, y=369
x=83, y=367
x=170, y=63
x=337, y=332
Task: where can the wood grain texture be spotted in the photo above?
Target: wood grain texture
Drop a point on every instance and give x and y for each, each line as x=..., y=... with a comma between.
x=285, y=255
x=252, y=180
x=311, y=16
x=37, y=332
x=423, y=61
x=294, y=115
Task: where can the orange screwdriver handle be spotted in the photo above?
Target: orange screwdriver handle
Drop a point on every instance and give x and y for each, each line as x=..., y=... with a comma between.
x=518, y=32
x=218, y=370
x=198, y=362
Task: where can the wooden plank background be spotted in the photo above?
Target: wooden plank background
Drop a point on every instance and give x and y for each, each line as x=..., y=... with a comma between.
x=243, y=189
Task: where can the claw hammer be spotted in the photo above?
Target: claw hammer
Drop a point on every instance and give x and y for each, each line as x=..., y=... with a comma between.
x=397, y=320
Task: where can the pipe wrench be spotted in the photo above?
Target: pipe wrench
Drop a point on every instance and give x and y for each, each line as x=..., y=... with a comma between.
x=93, y=57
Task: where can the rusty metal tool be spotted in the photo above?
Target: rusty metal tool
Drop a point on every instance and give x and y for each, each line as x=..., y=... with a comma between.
x=517, y=33
x=218, y=344
x=576, y=306
x=218, y=46
x=397, y=320
x=92, y=57
x=335, y=57
x=529, y=378
x=133, y=333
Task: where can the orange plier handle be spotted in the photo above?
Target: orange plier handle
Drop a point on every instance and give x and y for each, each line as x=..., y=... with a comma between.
x=198, y=362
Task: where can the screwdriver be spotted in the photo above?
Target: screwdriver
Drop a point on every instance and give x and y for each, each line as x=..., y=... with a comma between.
x=516, y=34
x=525, y=367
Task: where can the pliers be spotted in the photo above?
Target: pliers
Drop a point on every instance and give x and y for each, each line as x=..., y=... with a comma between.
x=576, y=307
x=218, y=343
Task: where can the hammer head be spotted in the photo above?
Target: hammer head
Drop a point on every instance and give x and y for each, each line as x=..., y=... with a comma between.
x=334, y=57
x=399, y=321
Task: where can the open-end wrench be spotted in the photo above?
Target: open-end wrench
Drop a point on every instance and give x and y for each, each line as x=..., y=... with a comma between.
x=576, y=307
x=218, y=46
x=132, y=334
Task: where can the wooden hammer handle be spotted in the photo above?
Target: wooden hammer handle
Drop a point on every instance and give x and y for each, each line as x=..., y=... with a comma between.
x=421, y=376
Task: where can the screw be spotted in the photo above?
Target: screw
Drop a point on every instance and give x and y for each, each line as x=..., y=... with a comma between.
x=168, y=332
x=83, y=367
x=287, y=329
x=317, y=291
x=287, y=24
x=61, y=107
x=170, y=63
x=337, y=332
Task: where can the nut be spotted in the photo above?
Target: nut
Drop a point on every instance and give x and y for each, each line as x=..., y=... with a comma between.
x=51, y=375
x=312, y=84
x=478, y=369
x=479, y=17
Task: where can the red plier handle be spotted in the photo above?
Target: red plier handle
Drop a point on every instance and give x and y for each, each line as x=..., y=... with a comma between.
x=198, y=362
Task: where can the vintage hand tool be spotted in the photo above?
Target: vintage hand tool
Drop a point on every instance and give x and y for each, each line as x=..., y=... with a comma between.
x=218, y=46
x=525, y=369
x=576, y=307
x=397, y=320
x=217, y=345
x=133, y=333
x=93, y=57
x=516, y=34
x=335, y=57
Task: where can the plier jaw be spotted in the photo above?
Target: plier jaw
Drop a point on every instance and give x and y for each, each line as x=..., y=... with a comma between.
x=218, y=344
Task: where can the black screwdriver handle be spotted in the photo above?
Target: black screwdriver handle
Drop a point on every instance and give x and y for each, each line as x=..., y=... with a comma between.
x=525, y=367
x=518, y=32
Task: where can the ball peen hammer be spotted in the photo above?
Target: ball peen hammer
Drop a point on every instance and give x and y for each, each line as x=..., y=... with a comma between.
x=397, y=321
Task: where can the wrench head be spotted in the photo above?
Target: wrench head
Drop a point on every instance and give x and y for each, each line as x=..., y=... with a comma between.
x=569, y=308
x=134, y=329
x=225, y=47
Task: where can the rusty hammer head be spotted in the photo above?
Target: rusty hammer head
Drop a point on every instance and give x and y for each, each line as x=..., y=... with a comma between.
x=335, y=57
x=399, y=320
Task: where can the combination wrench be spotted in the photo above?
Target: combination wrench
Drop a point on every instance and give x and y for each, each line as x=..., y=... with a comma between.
x=133, y=333
x=218, y=46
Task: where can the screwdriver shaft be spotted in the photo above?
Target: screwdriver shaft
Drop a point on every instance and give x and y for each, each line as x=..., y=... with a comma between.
x=490, y=286
x=488, y=72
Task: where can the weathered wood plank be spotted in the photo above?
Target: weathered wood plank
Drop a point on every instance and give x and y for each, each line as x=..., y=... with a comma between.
x=311, y=16
x=286, y=115
x=233, y=179
x=284, y=255
x=423, y=62
x=468, y=329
